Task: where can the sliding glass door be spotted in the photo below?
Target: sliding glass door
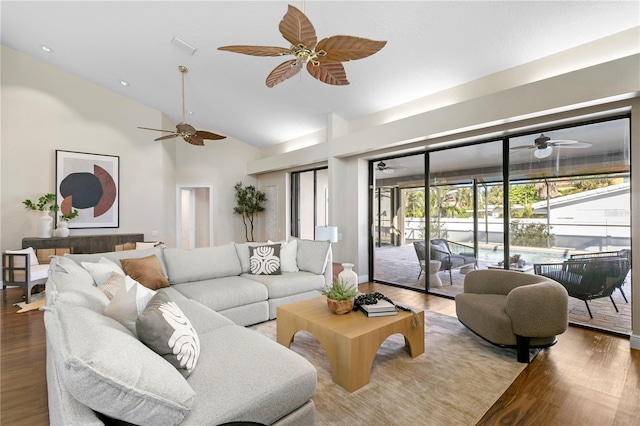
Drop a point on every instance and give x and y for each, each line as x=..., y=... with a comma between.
x=550, y=196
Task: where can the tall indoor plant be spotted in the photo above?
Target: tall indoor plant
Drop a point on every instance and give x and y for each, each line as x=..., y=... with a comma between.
x=249, y=203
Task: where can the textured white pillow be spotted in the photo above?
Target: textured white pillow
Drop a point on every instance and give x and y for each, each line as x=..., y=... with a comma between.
x=288, y=254
x=33, y=259
x=101, y=271
x=128, y=302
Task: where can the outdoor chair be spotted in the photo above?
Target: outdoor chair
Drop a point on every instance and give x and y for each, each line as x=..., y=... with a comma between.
x=625, y=254
x=452, y=255
x=587, y=279
x=421, y=253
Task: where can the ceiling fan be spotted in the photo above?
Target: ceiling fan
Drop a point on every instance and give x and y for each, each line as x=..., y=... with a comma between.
x=384, y=168
x=543, y=145
x=185, y=130
x=323, y=59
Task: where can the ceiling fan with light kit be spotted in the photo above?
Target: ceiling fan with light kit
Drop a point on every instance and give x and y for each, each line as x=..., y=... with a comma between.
x=543, y=145
x=184, y=129
x=323, y=58
x=384, y=168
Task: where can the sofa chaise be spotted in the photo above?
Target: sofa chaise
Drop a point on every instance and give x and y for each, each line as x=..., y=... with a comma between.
x=98, y=369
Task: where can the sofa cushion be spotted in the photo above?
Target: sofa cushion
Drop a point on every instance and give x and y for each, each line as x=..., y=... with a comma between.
x=187, y=265
x=166, y=330
x=66, y=290
x=288, y=255
x=313, y=255
x=242, y=250
x=224, y=293
x=112, y=372
x=202, y=318
x=279, y=380
x=115, y=256
x=101, y=271
x=289, y=283
x=146, y=270
x=128, y=302
x=73, y=269
x=265, y=260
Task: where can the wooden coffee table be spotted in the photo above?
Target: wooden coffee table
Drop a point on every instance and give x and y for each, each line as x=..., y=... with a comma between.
x=350, y=340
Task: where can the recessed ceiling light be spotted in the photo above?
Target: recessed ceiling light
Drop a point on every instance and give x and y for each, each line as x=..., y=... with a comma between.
x=189, y=112
x=46, y=48
x=124, y=83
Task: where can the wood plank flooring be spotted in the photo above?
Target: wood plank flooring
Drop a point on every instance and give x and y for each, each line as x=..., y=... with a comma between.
x=588, y=378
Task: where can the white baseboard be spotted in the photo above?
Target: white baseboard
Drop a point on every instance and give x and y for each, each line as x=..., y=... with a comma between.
x=635, y=341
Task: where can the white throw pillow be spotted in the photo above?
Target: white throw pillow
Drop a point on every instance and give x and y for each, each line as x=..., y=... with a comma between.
x=128, y=302
x=101, y=271
x=33, y=259
x=288, y=254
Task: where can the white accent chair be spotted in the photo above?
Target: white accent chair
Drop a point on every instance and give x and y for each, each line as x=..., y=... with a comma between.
x=21, y=268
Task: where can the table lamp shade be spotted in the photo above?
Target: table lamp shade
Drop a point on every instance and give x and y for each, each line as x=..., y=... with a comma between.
x=327, y=233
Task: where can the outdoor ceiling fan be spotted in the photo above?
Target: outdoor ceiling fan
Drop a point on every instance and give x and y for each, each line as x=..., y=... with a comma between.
x=184, y=129
x=543, y=145
x=323, y=58
x=384, y=168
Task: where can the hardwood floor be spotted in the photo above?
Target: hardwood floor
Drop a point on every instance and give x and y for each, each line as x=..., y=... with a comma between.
x=588, y=378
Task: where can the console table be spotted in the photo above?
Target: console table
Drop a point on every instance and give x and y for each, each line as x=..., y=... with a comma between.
x=83, y=243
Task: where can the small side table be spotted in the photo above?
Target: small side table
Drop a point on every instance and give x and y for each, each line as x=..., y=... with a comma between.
x=434, y=279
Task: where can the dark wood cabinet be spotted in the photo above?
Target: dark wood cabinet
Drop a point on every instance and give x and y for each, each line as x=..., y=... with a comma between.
x=83, y=243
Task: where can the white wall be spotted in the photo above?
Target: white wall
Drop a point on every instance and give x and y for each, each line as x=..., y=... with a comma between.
x=45, y=109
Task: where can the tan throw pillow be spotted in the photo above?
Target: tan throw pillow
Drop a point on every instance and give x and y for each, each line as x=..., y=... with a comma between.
x=265, y=260
x=146, y=270
x=166, y=330
x=112, y=284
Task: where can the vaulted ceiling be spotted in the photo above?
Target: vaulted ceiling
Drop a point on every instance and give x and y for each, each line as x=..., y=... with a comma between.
x=431, y=46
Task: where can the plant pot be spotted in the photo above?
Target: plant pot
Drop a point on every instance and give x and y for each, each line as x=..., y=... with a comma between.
x=45, y=222
x=62, y=229
x=340, y=306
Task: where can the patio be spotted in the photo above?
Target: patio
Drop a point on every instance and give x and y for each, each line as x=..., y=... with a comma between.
x=399, y=265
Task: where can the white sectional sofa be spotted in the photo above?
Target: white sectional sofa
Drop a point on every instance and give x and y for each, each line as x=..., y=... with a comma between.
x=98, y=369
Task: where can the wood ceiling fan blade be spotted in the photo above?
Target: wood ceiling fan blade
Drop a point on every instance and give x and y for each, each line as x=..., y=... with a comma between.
x=186, y=128
x=194, y=140
x=296, y=28
x=157, y=130
x=161, y=138
x=257, y=50
x=209, y=135
x=282, y=72
x=329, y=72
x=343, y=48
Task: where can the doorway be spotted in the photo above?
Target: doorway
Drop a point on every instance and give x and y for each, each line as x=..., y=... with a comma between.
x=194, y=216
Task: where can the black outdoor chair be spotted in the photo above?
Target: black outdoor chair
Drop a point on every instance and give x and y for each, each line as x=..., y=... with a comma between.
x=587, y=279
x=625, y=254
x=421, y=253
x=452, y=255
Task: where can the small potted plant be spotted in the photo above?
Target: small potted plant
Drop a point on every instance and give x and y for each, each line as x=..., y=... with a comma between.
x=45, y=221
x=339, y=296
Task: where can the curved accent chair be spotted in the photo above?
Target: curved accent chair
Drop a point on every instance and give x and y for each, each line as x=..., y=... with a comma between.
x=513, y=309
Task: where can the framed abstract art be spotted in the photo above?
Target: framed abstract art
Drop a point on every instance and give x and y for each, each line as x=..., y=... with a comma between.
x=89, y=183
